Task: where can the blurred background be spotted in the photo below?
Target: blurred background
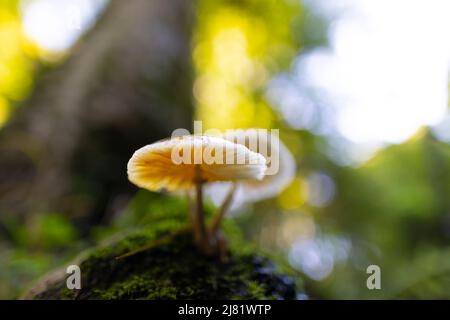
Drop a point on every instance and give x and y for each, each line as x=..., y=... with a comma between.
x=358, y=88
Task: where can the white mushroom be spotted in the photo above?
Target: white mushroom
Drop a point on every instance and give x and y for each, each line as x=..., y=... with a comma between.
x=281, y=170
x=187, y=162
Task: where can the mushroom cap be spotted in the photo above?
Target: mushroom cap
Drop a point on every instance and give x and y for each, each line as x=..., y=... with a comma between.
x=271, y=184
x=171, y=164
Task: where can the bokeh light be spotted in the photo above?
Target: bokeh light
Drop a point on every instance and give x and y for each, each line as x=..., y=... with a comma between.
x=294, y=196
x=321, y=189
x=317, y=257
x=15, y=66
x=234, y=55
x=382, y=78
x=442, y=129
x=56, y=25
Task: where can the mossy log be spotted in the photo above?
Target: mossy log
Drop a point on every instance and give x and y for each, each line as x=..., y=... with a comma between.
x=170, y=267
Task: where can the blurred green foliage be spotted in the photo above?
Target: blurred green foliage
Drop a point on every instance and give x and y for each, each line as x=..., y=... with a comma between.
x=17, y=60
x=394, y=209
x=34, y=248
x=237, y=46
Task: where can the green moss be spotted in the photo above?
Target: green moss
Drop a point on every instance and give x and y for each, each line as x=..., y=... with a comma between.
x=168, y=265
x=67, y=294
x=254, y=291
x=172, y=268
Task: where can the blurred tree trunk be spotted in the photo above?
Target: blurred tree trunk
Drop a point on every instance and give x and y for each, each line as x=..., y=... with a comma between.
x=127, y=83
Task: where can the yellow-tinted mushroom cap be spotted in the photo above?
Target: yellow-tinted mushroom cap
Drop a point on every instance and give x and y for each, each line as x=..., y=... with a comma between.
x=179, y=163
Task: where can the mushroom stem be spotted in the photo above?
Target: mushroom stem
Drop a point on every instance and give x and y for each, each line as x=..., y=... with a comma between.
x=193, y=219
x=223, y=209
x=199, y=226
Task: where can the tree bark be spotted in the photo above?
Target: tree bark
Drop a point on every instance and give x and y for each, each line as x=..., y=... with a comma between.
x=127, y=83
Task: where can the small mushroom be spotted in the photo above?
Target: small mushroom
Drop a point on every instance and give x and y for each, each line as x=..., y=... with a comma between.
x=281, y=170
x=188, y=162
